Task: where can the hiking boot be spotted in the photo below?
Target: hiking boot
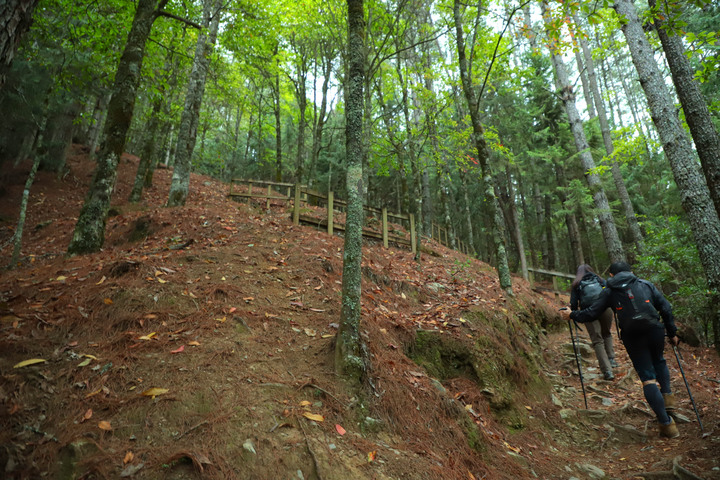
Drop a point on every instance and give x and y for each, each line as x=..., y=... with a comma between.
x=669, y=402
x=613, y=363
x=609, y=375
x=670, y=430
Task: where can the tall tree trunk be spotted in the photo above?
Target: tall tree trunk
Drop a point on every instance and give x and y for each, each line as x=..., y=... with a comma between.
x=89, y=234
x=570, y=220
x=582, y=68
x=466, y=207
x=517, y=231
x=623, y=195
x=695, y=195
x=96, y=128
x=17, y=239
x=149, y=150
x=483, y=155
x=349, y=353
x=187, y=131
x=278, y=120
x=607, y=223
x=697, y=114
x=321, y=116
x=15, y=20
x=59, y=138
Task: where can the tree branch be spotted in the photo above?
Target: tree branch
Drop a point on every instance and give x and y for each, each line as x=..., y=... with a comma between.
x=163, y=13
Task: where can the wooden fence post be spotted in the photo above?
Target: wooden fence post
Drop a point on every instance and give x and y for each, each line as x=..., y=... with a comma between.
x=330, y=201
x=267, y=203
x=384, y=227
x=250, y=190
x=296, y=207
x=413, y=244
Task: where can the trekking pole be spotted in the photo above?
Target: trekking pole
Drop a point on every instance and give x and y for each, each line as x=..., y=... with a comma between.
x=577, y=360
x=692, y=400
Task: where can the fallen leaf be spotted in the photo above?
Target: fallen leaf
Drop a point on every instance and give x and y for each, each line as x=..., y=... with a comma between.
x=340, y=429
x=61, y=278
x=232, y=310
x=92, y=394
x=32, y=361
x=148, y=336
x=128, y=457
x=90, y=356
x=313, y=416
x=84, y=363
x=371, y=455
x=305, y=403
x=87, y=415
x=101, y=280
x=221, y=319
x=161, y=280
x=107, y=301
x=194, y=343
x=103, y=425
x=178, y=350
x=310, y=332
x=150, y=316
x=154, y=392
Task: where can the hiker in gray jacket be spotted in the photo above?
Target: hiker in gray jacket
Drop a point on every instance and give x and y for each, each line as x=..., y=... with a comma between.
x=585, y=289
x=639, y=306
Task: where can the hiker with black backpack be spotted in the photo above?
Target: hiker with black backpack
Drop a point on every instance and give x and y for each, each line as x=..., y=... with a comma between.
x=639, y=305
x=585, y=289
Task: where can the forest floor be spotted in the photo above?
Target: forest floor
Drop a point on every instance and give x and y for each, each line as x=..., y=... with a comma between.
x=199, y=344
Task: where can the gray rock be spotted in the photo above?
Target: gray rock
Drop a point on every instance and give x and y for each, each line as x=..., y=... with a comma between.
x=248, y=445
x=592, y=471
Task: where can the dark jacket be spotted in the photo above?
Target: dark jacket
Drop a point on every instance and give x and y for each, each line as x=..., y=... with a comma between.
x=575, y=291
x=614, y=296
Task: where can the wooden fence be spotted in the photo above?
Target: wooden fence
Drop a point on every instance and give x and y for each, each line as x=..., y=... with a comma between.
x=553, y=274
x=300, y=194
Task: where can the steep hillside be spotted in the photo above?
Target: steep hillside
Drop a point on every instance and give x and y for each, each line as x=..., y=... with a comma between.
x=199, y=344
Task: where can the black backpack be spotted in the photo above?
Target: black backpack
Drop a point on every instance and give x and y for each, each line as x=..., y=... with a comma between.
x=634, y=306
x=590, y=290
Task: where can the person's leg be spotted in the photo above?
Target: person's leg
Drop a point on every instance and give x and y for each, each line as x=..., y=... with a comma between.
x=656, y=341
x=656, y=345
x=642, y=360
x=606, y=320
x=598, y=344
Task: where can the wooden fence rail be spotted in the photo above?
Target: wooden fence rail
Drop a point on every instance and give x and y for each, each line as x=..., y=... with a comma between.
x=553, y=274
x=300, y=194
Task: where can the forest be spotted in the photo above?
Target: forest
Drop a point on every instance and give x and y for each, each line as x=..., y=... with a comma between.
x=544, y=135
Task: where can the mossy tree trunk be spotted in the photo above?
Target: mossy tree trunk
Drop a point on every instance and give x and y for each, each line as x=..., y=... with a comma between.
x=622, y=191
x=697, y=114
x=349, y=358
x=483, y=154
x=187, y=131
x=604, y=215
x=89, y=234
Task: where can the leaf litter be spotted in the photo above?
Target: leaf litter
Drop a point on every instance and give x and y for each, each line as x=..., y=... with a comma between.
x=246, y=372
